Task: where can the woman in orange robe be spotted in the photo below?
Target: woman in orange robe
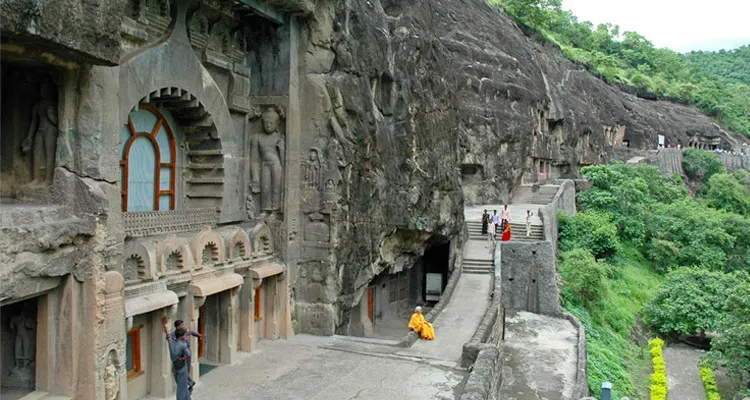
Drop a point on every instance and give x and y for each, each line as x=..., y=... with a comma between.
x=418, y=324
x=506, y=233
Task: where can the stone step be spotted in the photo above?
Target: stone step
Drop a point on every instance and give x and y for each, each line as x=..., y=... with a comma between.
x=205, y=195
x=205, y=166
x=204, y=181
x=479, y=263
x=477, y=271
x=210, y=152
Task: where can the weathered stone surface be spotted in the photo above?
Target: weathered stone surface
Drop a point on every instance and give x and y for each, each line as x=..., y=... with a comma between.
x=419, y=92
x=80, y=29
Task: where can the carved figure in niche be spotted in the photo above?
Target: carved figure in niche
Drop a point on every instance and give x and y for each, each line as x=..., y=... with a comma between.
x=336, y=160
x=41, y=139
x=312, y=169
x=267, y=166
x=330, y=197
x=111, y=377
x=250, y=207
x=317, y=230
x=22, y=327
x=310, y=200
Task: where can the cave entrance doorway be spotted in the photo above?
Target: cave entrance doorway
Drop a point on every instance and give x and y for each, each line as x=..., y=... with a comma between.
x=18, y=352
x=436, y=260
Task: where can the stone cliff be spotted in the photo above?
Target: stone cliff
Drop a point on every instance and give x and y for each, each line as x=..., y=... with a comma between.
x=441, y=103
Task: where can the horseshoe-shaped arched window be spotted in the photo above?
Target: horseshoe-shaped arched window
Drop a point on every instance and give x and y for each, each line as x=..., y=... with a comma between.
x=148, y=161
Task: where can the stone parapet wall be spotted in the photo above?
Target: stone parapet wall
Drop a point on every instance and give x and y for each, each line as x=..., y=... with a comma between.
x=581, y=385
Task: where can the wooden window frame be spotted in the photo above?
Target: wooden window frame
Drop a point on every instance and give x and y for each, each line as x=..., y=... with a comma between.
x=137, y=370
x=158, y=165
x=201, y=330
x=257, y=301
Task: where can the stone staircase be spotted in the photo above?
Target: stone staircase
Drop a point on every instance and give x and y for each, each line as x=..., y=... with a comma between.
x=518, y=232
x=477, y=266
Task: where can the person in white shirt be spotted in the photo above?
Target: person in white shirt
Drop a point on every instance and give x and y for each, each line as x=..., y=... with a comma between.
x=491, y=229
x=506, y=216
x=528, y=222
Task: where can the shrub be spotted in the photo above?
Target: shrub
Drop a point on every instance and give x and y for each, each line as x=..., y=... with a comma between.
x=701, y=165
x=594, y=231
x=658, y=387
x=726, y=192
x=582, y=276
x=690, y=302
x=709, y=383
x=663, y=253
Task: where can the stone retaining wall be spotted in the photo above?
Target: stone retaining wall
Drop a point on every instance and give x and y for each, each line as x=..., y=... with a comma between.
x=484, y=349
x=581, y=385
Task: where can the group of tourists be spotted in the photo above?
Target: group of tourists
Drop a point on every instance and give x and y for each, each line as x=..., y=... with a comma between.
x=492, y=223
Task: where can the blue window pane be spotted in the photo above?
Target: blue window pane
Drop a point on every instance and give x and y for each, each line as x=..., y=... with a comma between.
x=141, y=169
x=162, y=137
x=129, y=353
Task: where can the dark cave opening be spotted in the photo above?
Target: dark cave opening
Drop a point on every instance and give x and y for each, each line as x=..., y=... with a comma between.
x=436, y=261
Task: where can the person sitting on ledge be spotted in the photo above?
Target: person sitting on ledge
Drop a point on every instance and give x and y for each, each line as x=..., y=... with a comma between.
x=418, y=324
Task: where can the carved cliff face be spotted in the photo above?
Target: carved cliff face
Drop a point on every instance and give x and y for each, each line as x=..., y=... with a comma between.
x=441, y=102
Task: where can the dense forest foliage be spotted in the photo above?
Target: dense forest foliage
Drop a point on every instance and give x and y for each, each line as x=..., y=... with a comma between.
x=717, y=82
x=644, y=249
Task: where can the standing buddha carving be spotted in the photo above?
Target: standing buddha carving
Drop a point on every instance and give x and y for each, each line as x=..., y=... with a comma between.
x=267, y=165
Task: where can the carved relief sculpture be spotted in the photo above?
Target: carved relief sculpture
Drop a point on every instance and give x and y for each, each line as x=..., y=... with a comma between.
x=111, y=377
x=22, y=327
x=250, y=207
x=317, y=230
x=267, y=151
x=41, y=139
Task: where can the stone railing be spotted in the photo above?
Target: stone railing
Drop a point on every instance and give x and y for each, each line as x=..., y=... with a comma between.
x=482, y=351
x=581, y=384
x=138, y=224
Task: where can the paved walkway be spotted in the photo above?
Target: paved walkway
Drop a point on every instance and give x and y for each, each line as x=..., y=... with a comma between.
x=301, y=368
x=539, y=358
x=458, y=321
x=683, y=377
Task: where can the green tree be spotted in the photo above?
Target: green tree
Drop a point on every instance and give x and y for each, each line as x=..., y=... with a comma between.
x=700, y=165
x=691, y=302
x=582, y=276
x=732, y=346
x=593, y=231
x=726, y=192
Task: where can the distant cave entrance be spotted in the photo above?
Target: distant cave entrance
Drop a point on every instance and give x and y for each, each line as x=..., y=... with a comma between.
x=388, y=301
x=436, y=260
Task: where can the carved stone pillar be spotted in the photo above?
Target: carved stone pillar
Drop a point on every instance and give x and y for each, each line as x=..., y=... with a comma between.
x=228, y=340
x=194, y=303
x=285, y=316
x=162, y=383
x=247, y=315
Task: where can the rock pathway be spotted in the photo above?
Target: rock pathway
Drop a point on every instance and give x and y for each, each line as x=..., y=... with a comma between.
x=458, y=321
x=539, y=358
x=302, y=368
x=683, y=377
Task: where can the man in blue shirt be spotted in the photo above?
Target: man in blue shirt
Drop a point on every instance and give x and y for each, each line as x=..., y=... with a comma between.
x=179, y=354
x=180, y=325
